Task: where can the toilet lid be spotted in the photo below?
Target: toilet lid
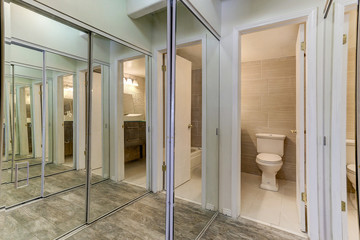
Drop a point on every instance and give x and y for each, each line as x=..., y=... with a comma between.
x=351, y=168
x=269, y=158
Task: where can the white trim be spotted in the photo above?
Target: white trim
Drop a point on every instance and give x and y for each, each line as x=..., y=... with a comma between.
x=310, y=17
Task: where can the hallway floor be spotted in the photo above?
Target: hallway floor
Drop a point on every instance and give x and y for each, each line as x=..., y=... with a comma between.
x=277, y=209
x=53, y=216
x=145, y=219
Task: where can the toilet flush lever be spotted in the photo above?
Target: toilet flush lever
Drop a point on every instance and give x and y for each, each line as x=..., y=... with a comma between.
x=293, y=131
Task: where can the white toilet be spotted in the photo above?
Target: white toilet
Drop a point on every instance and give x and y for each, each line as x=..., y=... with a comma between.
x=270, y=148
x=350, y=162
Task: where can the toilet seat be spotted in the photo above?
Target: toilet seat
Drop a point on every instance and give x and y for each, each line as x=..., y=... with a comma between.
x=351, y=168
x=268, y=158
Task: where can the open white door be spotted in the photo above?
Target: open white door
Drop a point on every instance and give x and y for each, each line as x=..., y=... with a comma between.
x=96, y=123
x=300, y=128
x=182, y=121
x=345, y=49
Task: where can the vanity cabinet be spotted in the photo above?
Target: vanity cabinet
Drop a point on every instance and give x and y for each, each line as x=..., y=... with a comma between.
x=134, y=140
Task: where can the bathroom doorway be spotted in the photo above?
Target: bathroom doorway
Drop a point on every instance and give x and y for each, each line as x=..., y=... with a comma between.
x=188, y=125
x=134, y=120
x=273, y=128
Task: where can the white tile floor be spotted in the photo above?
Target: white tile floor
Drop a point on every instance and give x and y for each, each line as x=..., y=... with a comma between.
x=191, y=190
x=353, y=227
x=135, y=172
x=275, y=208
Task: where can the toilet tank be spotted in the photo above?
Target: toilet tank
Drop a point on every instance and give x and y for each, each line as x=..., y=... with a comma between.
x=270, y=143
x=350, y=151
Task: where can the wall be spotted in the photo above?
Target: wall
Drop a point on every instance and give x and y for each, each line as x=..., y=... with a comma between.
x=196, y=107
x=350, y=100
x=111, y=17
x=268, y=104
x=210, y=10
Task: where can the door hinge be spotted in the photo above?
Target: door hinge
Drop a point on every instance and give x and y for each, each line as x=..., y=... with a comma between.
x=344, y=39
x=164, y=167
x=304, y=197
x=303, y=46
x=343, y=206
x=84, y=152
x=324, y=141
x=217, y=131
x=163, y=67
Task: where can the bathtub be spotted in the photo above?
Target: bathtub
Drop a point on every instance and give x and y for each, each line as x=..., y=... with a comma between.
x=195, y=157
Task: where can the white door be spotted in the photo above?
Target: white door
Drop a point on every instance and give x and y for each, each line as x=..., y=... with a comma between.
x=96, y=123
x=300, y=129
x=182, y=121
x=345, y=48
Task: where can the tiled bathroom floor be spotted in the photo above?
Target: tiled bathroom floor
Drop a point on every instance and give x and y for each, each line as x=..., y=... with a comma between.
x=353, y=227
x=274, y=208
x=191, y=190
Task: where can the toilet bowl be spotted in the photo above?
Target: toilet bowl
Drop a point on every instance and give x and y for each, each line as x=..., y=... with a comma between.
x=270, y=148
x=269, y=164
x=351, y=174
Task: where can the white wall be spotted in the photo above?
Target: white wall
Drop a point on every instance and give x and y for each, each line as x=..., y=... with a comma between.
x=109, y=16
x=210, y=10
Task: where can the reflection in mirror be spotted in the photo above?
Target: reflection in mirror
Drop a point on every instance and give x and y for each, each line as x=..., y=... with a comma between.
x=21, y=167
x=196, y=114
x=65, y=116
x=116, y=180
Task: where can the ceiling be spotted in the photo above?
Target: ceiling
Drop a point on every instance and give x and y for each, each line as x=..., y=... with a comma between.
x=271, y=43
x=135, y=67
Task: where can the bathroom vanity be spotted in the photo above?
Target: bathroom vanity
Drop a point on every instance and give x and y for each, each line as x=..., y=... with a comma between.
x=134, y=140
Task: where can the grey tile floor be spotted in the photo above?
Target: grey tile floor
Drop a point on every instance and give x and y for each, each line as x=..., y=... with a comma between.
x=145, y=219
x=51, y=217
x=227, y=228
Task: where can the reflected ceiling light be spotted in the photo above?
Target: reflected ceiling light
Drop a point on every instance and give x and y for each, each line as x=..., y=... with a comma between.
x=130, y=82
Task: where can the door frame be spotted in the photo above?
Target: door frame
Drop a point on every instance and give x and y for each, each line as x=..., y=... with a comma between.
x=116, y=92
x=313, y=144
x=158, y=126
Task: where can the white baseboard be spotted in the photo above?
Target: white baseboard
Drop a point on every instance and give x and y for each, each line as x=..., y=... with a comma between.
x=226, y=212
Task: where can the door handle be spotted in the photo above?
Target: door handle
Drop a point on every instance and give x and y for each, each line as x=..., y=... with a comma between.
x=293, y=131
x=189, y=126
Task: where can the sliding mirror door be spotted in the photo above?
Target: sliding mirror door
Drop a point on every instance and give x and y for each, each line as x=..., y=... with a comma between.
x=21, y=168
x=196, y=125
x=118, y=123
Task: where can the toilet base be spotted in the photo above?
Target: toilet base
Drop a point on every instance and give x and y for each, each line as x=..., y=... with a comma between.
x=268, y=182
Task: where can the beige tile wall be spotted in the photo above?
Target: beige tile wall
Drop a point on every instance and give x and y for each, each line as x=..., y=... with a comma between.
x=350, y=106
x=268, y=105
x=196, y=107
